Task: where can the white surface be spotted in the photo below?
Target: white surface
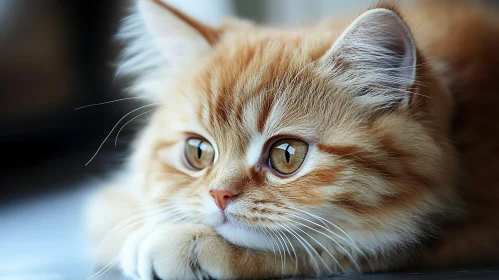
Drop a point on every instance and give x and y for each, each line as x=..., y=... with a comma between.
x=43, y=239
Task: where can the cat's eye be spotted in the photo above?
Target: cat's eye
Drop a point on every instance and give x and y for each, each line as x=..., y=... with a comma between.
x=199, y=153
x=287, y=155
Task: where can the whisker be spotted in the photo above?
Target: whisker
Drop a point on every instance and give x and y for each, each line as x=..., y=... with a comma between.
x=296, y=257
x=118, y=134
x=274, y=242
x=322, y=246
x=286, y=250
x=107, y=102
x=322, y=219
x=337, y=243
x=131, y=221
x=281, y=252
x=294, y=252
x=113, y=262
x=266, y=234
x=103, y=270
x=124, y=223
x=307, y=245
x=157, y=213
x=326, y=222
x=122, y=118
x=157, y=217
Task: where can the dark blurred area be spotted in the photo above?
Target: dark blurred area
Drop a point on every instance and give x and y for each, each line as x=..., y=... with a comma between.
x=55, y=56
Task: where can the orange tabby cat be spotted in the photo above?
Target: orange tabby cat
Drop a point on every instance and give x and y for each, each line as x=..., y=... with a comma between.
x=364, y=146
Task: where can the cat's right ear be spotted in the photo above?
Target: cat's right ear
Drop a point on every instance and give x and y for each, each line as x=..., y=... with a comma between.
x=376, y=59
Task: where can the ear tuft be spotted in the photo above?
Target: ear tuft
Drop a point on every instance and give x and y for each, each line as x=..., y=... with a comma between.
x=161, y=41
x=164, y=21
x=376, y=56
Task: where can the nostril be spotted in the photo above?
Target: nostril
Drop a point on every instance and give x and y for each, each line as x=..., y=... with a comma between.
x=222, y=197
x=228, y=195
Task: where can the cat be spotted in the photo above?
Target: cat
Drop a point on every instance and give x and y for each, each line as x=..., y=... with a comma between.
x=361, y=144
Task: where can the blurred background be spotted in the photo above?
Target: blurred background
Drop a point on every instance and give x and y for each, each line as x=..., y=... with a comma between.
x=59, y=55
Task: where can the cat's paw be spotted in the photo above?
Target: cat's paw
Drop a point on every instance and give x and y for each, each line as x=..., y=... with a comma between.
x=170, y=252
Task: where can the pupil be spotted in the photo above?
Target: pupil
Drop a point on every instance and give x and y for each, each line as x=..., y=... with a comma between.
x=287, y=154
x=200, y=151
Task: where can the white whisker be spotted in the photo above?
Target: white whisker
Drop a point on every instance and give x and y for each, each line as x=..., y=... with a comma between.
x=103, y=270
x=335, y=241
x=122, y=118
x=281, y=252
x=118, y=134
x=318, y=243
x=307, y=245
x=107, y=102
x=322, y=219
x=294, y=252
x=285, y=248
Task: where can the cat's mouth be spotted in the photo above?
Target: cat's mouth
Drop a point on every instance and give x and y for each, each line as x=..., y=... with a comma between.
x=221, y=218
x=225, y=219
x=230, y=219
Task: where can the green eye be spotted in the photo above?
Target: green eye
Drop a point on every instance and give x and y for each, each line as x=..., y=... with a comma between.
x=199, y=153
x=287, y=155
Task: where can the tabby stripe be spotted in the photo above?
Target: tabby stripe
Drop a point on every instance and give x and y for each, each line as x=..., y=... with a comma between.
x=359, y=157
x=224, y=95
x=321, y=177
x=364, y=160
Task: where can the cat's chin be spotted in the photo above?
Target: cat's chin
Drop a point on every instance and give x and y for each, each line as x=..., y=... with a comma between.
x=243, y=237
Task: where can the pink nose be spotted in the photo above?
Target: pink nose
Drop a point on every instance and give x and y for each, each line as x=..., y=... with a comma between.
x=222, y=198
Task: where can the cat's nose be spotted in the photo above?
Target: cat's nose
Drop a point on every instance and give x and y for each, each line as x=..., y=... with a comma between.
x=222, y=198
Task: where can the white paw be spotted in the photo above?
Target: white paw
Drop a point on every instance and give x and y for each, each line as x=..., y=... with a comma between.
x=163, y=252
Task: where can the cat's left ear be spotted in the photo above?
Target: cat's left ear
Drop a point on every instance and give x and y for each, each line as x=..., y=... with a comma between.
x=162, y=41
x=177, y=36
x=376, y=57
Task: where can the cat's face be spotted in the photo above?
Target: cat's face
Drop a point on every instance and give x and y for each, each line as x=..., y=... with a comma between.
x=273, y=135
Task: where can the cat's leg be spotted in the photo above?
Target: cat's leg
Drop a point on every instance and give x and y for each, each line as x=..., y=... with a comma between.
x=186, y=251
x=111, y=217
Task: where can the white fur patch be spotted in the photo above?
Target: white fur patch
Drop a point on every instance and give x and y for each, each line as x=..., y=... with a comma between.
x=255, y=149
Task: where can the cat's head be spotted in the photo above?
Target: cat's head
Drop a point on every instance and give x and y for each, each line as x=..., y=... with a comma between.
x=291, y=135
